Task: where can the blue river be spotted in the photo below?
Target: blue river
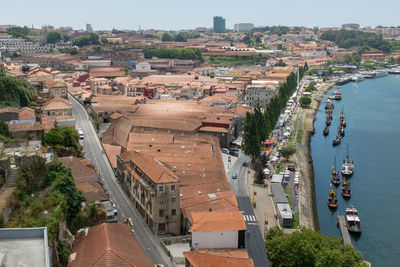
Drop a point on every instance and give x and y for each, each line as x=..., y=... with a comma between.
x=372, y=110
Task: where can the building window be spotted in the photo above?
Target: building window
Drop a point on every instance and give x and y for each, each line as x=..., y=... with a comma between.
x=173, y=212
x=173, y=199
x=161, y=200
x=161, y=213
x=160, y=188
x=173, y=187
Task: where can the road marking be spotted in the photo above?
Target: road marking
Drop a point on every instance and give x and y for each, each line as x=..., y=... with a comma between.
x=252, y=223
x=253, y=217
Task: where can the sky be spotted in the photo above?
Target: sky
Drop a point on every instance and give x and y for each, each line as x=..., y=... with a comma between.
x=187, y=14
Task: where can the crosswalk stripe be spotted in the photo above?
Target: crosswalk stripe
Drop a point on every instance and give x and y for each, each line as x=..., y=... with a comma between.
x=244, y=217
x=247, y=218
x=254, y=218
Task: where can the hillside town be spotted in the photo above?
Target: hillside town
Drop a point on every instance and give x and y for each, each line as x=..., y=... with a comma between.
x=136, y=148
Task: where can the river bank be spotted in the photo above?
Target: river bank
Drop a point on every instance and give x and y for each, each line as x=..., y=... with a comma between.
x=307, y=195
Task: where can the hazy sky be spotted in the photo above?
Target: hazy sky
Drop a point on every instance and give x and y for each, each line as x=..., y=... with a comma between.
x=187, y=14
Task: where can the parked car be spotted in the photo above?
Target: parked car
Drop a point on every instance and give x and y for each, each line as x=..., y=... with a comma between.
x=234, y=153
x=234, y=175
x=245, y=164
x=291, y=167
x=234, y=149
x=225, y=150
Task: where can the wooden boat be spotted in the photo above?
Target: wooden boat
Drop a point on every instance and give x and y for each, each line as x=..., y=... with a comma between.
x=335, y=177
x=328, y=122
x=326, y=131
x=338, y=96
x=343, y=123
x=341, y=131
x=346, y=190
x=337, y=140
x=353, y=222
x=333, y=202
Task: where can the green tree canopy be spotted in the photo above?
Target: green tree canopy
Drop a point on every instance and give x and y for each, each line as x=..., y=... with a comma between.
x=180, y=38
x=287, y=151
x=305, y=101
x=309, y=248
x=166, y=37
x=4, y=129
x=64, y=137
x=16, y=92
x=251, y=142
x=91, y=39
x=53, y=37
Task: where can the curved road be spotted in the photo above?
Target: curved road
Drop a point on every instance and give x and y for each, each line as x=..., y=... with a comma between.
x=94, y=151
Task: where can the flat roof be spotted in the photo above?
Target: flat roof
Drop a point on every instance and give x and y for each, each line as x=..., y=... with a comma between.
x=24, y=247
x=279, y=195
x=285, y=211
x=277, y=178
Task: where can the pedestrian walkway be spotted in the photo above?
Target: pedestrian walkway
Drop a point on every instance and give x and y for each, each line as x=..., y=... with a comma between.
x=265, y=210
x=249, y=218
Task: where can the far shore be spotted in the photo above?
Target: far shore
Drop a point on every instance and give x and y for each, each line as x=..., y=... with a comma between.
x=307, y=194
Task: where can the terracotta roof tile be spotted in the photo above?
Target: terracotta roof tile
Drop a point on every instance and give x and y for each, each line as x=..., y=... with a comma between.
x=153, y=168
x=201, y=258
x=217, y=221
x=108, y=245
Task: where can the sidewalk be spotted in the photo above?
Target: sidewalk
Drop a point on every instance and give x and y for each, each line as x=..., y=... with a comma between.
x=265, y=209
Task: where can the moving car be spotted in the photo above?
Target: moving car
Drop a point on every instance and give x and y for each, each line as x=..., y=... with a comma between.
x=234, y=175
x=80, y=132
x=245, y=164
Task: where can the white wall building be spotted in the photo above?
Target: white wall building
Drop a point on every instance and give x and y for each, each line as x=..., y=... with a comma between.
x=218, y=229
x=243, y=27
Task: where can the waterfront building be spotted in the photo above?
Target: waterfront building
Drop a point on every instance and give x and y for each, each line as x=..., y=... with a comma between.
x=219, y=24
x=243, y=27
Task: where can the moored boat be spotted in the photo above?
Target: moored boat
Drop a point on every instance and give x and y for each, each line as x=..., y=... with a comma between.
x=328, y=122
x=348, y=165
x=335, y=177
x=326, y=131
x=333, y=202
x=341, y=130
x=337, y=140
x=346, y=190
x=352, y=220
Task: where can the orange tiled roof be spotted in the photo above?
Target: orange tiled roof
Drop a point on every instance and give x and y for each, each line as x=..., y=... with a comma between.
x=108, y=245
x=201, y=258
x=217, y=221
x=153, y=168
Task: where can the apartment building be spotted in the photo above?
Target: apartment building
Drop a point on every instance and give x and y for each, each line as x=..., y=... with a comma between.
x=259, y=95
x=153, y=189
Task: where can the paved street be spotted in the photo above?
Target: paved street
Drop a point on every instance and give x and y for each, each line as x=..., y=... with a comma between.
x=94, y=151
x=254, y=240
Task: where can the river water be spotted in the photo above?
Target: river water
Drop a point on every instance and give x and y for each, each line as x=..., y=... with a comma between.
x=372, y=109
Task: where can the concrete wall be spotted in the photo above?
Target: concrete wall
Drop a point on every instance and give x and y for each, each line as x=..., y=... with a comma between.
x=227, y=239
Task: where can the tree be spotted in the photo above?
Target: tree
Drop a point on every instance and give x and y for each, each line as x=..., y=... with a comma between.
x=287, y=151
x=305, y=101
x=280, y=63
x=261, y=125
x=347, y=59
x=97, y=49
x=180, y=38
x=166, y=37
x=309, y=248
x=53, y=37
x=4, y=129
x=251, y=142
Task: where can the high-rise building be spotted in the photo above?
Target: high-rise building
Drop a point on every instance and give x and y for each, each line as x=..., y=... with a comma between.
x=243, y=27
x=89, y=27
x=219, y=24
